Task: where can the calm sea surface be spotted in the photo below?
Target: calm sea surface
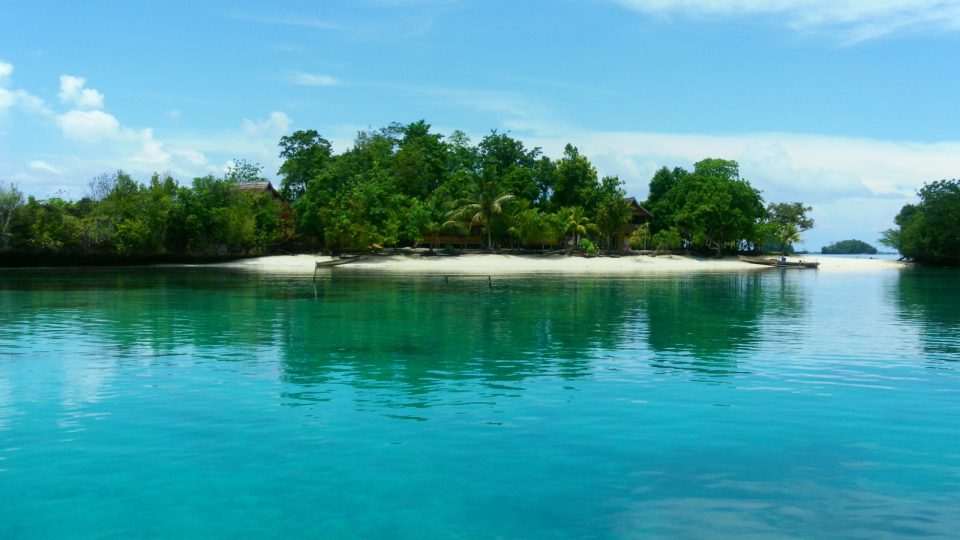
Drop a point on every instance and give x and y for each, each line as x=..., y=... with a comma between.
x=193, y=403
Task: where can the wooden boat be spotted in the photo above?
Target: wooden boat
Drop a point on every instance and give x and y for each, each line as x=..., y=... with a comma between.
x=776, y=262
x=334, y=262
x=338, y=261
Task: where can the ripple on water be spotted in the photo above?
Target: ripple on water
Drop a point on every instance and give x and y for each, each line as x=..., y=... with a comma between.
x=193, y=404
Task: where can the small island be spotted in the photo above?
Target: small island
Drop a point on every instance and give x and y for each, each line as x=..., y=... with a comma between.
x=403, y=186
x=849, y=247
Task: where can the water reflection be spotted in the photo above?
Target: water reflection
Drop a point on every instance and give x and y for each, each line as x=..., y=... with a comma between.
x=411, y=335
x=431, y=332
x=929, y=300
x=706, y=323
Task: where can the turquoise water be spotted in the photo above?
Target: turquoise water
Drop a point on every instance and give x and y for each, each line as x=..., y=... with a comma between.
x=204, y=404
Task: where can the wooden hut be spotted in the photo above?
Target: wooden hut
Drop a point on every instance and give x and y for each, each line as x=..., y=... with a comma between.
x=260, y=187
x=639, y=216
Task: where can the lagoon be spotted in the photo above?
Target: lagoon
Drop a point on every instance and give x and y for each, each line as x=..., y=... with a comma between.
x=198, y=403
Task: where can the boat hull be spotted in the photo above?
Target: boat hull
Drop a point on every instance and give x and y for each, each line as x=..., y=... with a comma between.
x=769, y=261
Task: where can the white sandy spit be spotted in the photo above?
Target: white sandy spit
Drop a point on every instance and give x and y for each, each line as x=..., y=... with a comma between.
x=493, y=264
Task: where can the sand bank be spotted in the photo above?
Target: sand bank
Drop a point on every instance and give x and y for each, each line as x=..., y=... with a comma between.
x=495, y=264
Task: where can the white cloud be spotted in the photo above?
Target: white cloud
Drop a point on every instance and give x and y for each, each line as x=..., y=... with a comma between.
x=10, y=98
x=95, y=140
x=44, y=166
x=90, y=126
x=855, y=185
x=819, y=167
x=191, y=157
x=277, y=124
x=174, y=115
x=302, y=21
x=311, y=79
x=852, y=20
x=73, y=92
x=7, y=98
x=22, y=99
x=152, y=151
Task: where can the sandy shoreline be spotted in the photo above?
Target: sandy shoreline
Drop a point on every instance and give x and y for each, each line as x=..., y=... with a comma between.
x=496, y=264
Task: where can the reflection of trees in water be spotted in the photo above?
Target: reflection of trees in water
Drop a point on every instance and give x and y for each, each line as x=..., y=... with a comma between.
x=143, y=313
x=930, y=300
x=369, y=332
x=408, y=335
x=705, y=322
x=430, y=332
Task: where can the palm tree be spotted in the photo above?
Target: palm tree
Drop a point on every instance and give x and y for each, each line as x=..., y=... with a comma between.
x=482, y=203
x=787, y=235
x=531, y=227
x=640, y=237
x=576, y=223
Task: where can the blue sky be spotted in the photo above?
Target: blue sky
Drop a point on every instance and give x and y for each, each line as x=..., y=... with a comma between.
x=846, y=105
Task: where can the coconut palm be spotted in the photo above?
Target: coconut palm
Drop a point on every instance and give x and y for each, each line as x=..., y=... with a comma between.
x=640, y=237
x=482, y=203
x=788, y=234
x=576, y=223
x=530, y=227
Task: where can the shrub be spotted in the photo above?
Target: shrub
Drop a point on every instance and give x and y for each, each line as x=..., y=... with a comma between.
x=588, y=246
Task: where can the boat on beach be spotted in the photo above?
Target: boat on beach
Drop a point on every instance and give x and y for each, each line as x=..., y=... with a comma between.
x=779, y=262
x=344, y=259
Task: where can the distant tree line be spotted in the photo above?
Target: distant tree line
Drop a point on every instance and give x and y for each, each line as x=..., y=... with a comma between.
x=399, y=186
x=122, y=218
x=849, y=247
x=929, y=231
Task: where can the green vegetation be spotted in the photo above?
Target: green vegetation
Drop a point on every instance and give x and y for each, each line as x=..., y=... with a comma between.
x=401, y=185
x=930, y=230
x=122, y=218
x=849, y=247
x=713, y=209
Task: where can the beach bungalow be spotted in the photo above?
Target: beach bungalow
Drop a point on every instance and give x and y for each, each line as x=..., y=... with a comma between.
x=639, y=216
x=260, y=187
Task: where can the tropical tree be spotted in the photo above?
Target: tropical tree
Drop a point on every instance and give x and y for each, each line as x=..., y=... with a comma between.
x=613, y=211
x=667, y=239
x=11, y=199
x=531, y=227
x=575, y=180
x=242, y=171
x=849, y=247
x=507, y=162
x=640, y=237
x=930, y=230
x=420, y=160
x=576, y=224
x=787, y=221
x=712, y=207
x=306, y=154
x=483, y=202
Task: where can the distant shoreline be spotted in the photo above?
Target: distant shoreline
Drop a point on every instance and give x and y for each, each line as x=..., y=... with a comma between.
x=499, y=264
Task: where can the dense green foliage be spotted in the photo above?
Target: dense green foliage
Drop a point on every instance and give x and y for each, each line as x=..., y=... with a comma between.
x=930, y=230
x=10, y=200
x=849, y=247
x=713, y=209
x=785, y=222
x=402, y=185
x=123, y=218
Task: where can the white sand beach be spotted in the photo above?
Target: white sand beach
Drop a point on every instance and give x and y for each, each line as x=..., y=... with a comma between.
x=496, y=264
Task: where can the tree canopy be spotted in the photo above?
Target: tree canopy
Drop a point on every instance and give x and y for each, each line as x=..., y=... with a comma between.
x=710, y=208
x=929, y=231
x=400, y=185
x=849, y=247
